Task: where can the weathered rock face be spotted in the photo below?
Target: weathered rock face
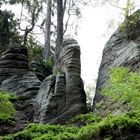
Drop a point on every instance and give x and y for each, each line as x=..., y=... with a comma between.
x=17, y=79
x=61, y=95
x=118, y=52
x=12, y=62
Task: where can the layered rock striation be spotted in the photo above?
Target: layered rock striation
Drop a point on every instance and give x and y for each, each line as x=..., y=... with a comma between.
x=62, y=95
x=13, y=61
x=16, y=78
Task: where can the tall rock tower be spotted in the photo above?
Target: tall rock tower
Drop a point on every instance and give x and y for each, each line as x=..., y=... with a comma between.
x=118, y=51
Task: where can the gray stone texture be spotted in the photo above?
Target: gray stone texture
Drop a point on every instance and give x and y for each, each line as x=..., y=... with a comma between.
x=58, y=98
x=118, y=51
x=16, y=78
x=61, y=96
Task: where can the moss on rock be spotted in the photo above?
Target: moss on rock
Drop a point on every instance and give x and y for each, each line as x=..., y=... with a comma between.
x=110, y=128
x=7, y=111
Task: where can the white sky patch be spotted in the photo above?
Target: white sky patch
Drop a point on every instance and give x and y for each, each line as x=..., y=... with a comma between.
x=92, y=42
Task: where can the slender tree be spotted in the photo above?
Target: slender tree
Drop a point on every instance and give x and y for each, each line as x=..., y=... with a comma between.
x=34, y=7
x=47, y=30
x=60, y=15
x=61, y=7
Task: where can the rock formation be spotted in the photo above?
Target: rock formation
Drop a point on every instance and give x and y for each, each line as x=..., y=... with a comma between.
x=118, y=51
x=58, y=98
x=17, y=79
x=15, y=59
x=61, y=95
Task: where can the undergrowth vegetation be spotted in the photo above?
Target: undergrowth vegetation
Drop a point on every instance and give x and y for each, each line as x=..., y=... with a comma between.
x=123, y=88
x=7, y=111
x=42, y=68
x=129, y=26
x=111, y=127
x=122, y=91
x=82, y=120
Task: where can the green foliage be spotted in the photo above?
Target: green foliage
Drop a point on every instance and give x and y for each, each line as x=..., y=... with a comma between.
x=7, y=111
x=48, y=63
x=129, y=8
x=42, y=68
x=35, y=50
x=8, y=29
x=113, y=126
x=108, y=128
x=58, y=71
x=84, y=119
x=44, y=132
x=128, y=27
x=122, y=90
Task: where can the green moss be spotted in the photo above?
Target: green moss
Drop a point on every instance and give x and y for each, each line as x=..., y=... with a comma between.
x=42, y=68
x=45, y=132
x=7, y=111
x=107, y=128
x=84, y=119
x=112, y=126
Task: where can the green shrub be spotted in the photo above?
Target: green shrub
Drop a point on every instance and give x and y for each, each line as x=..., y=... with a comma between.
x=8, y=30
x=44, y=132
x=129, y=26
x=35, y=50
x=123, y=88
x=84, y=119
x=42, y=68
x=111, y=127
x=7, y=111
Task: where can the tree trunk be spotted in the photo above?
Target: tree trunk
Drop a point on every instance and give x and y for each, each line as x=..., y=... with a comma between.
x=59, y=39
x=48, y=30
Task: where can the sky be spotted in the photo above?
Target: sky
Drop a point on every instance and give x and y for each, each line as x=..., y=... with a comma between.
x=92, y=36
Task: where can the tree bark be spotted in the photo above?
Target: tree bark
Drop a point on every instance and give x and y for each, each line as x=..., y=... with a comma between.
x=48, y=30
x=59, y=40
